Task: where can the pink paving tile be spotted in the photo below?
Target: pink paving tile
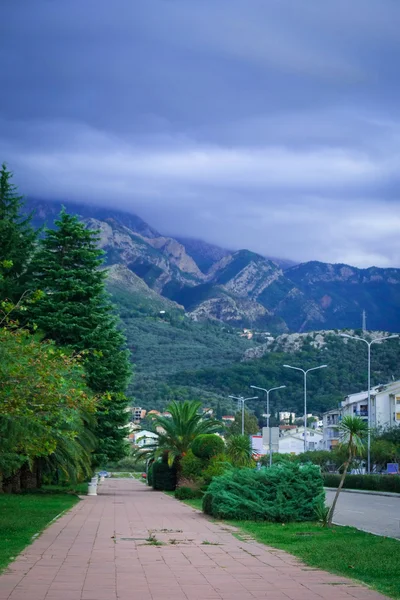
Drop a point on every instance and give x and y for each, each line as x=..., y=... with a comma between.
x=98, y=551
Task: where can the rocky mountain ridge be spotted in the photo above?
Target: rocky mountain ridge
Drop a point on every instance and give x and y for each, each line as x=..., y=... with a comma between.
x=240, y=288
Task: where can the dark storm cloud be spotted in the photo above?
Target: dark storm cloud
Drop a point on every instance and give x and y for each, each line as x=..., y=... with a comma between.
x=270, y=124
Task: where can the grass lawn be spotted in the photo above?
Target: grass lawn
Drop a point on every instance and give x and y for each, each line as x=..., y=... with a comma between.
x=346, y=551
x=372, y=559
x=24, y=515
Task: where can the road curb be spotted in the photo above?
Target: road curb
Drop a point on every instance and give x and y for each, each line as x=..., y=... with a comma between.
x=368, y=492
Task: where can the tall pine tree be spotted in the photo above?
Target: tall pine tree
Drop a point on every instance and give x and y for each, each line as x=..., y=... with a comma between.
x=17, y=240
x=76, y=311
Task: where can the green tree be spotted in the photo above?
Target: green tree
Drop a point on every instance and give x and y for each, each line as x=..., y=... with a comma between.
x=43, y=395
x=218, y=413
x=239, y=451
x=250, y=424
x=177, y=433
x=17, y=240
x=352, y=432
x=75, y=311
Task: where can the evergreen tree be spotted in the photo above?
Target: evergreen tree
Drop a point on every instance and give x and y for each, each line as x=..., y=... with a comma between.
x=219, y=411
x=17, y=240
x=76, y=311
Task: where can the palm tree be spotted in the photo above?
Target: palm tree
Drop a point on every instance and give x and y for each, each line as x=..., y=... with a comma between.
x=352, y=432
x=239, y=451
x=176, y=433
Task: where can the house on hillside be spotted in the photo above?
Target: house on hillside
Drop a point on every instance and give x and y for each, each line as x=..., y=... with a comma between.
x=138, y=413
x=228, y=419
x=144, y=438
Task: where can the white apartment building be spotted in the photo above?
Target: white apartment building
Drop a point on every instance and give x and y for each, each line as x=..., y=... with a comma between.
x=286, y=415
x=385, y=405
x=292, y=441
x=385, y=411
x=331, y=422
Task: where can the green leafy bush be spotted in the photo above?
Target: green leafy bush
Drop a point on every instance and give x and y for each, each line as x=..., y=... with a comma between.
x=191, y=466
x=164, y=477
x=208, y=445
x=283, y=493
x=150, y=475
x=378, y=483
x=187, y=493
x=215, y=467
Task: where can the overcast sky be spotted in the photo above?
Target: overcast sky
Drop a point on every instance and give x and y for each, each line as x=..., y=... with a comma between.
x=272, y=125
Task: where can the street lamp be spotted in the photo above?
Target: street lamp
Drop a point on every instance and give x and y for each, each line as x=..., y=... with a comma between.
x=305, y=395
x=243, y=400
x=369, y=344
x=268, y=415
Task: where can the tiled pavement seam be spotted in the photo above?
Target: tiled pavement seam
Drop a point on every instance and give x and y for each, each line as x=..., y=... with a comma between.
x=106, y=548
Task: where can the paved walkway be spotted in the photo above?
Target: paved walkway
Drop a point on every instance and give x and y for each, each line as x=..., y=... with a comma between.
x=100, y=550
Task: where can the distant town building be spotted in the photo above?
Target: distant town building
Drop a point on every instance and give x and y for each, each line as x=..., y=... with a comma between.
x=330, y=428
x=144, y=438
x=208, y=412
x=291, y=441
x=385, y=405
x=138, y=413
x=385, y=411
x=228, y=419
x=287, y=416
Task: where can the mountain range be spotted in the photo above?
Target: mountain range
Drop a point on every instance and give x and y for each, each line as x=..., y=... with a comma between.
x=240, y=288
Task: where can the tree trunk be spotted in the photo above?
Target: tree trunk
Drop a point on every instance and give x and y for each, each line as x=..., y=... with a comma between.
x=332, y=509
x=28, y=477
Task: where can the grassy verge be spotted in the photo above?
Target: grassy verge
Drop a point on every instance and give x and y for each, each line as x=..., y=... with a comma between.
x=24, y=515
x=346, y=551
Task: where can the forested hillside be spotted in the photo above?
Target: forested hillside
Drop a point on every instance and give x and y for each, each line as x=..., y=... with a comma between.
x=170, y=357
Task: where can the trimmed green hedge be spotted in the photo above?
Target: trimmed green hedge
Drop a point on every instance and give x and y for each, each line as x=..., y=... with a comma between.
x=281, y=493
x=207, y=445
x=375, y=483
x=164, y=477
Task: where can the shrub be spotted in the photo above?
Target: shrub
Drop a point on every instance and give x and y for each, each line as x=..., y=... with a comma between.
x=216, y=467
x=150, y=475
x=239, y=451
x=283, y=493
x=378, y=483
x=208, y=445
x=191, y=466
x=164, y=477
x=187, y=493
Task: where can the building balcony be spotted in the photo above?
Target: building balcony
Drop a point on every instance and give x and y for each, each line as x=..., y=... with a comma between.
x=361, y=413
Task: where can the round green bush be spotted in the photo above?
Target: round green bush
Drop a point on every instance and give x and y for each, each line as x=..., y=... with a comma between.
x=208, y=445
x=191, y=466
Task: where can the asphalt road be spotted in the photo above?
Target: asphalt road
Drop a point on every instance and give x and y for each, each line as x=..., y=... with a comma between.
x=377, y=514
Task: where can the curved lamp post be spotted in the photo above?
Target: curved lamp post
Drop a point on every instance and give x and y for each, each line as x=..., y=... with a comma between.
x=305, y=395
x=268, y=415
